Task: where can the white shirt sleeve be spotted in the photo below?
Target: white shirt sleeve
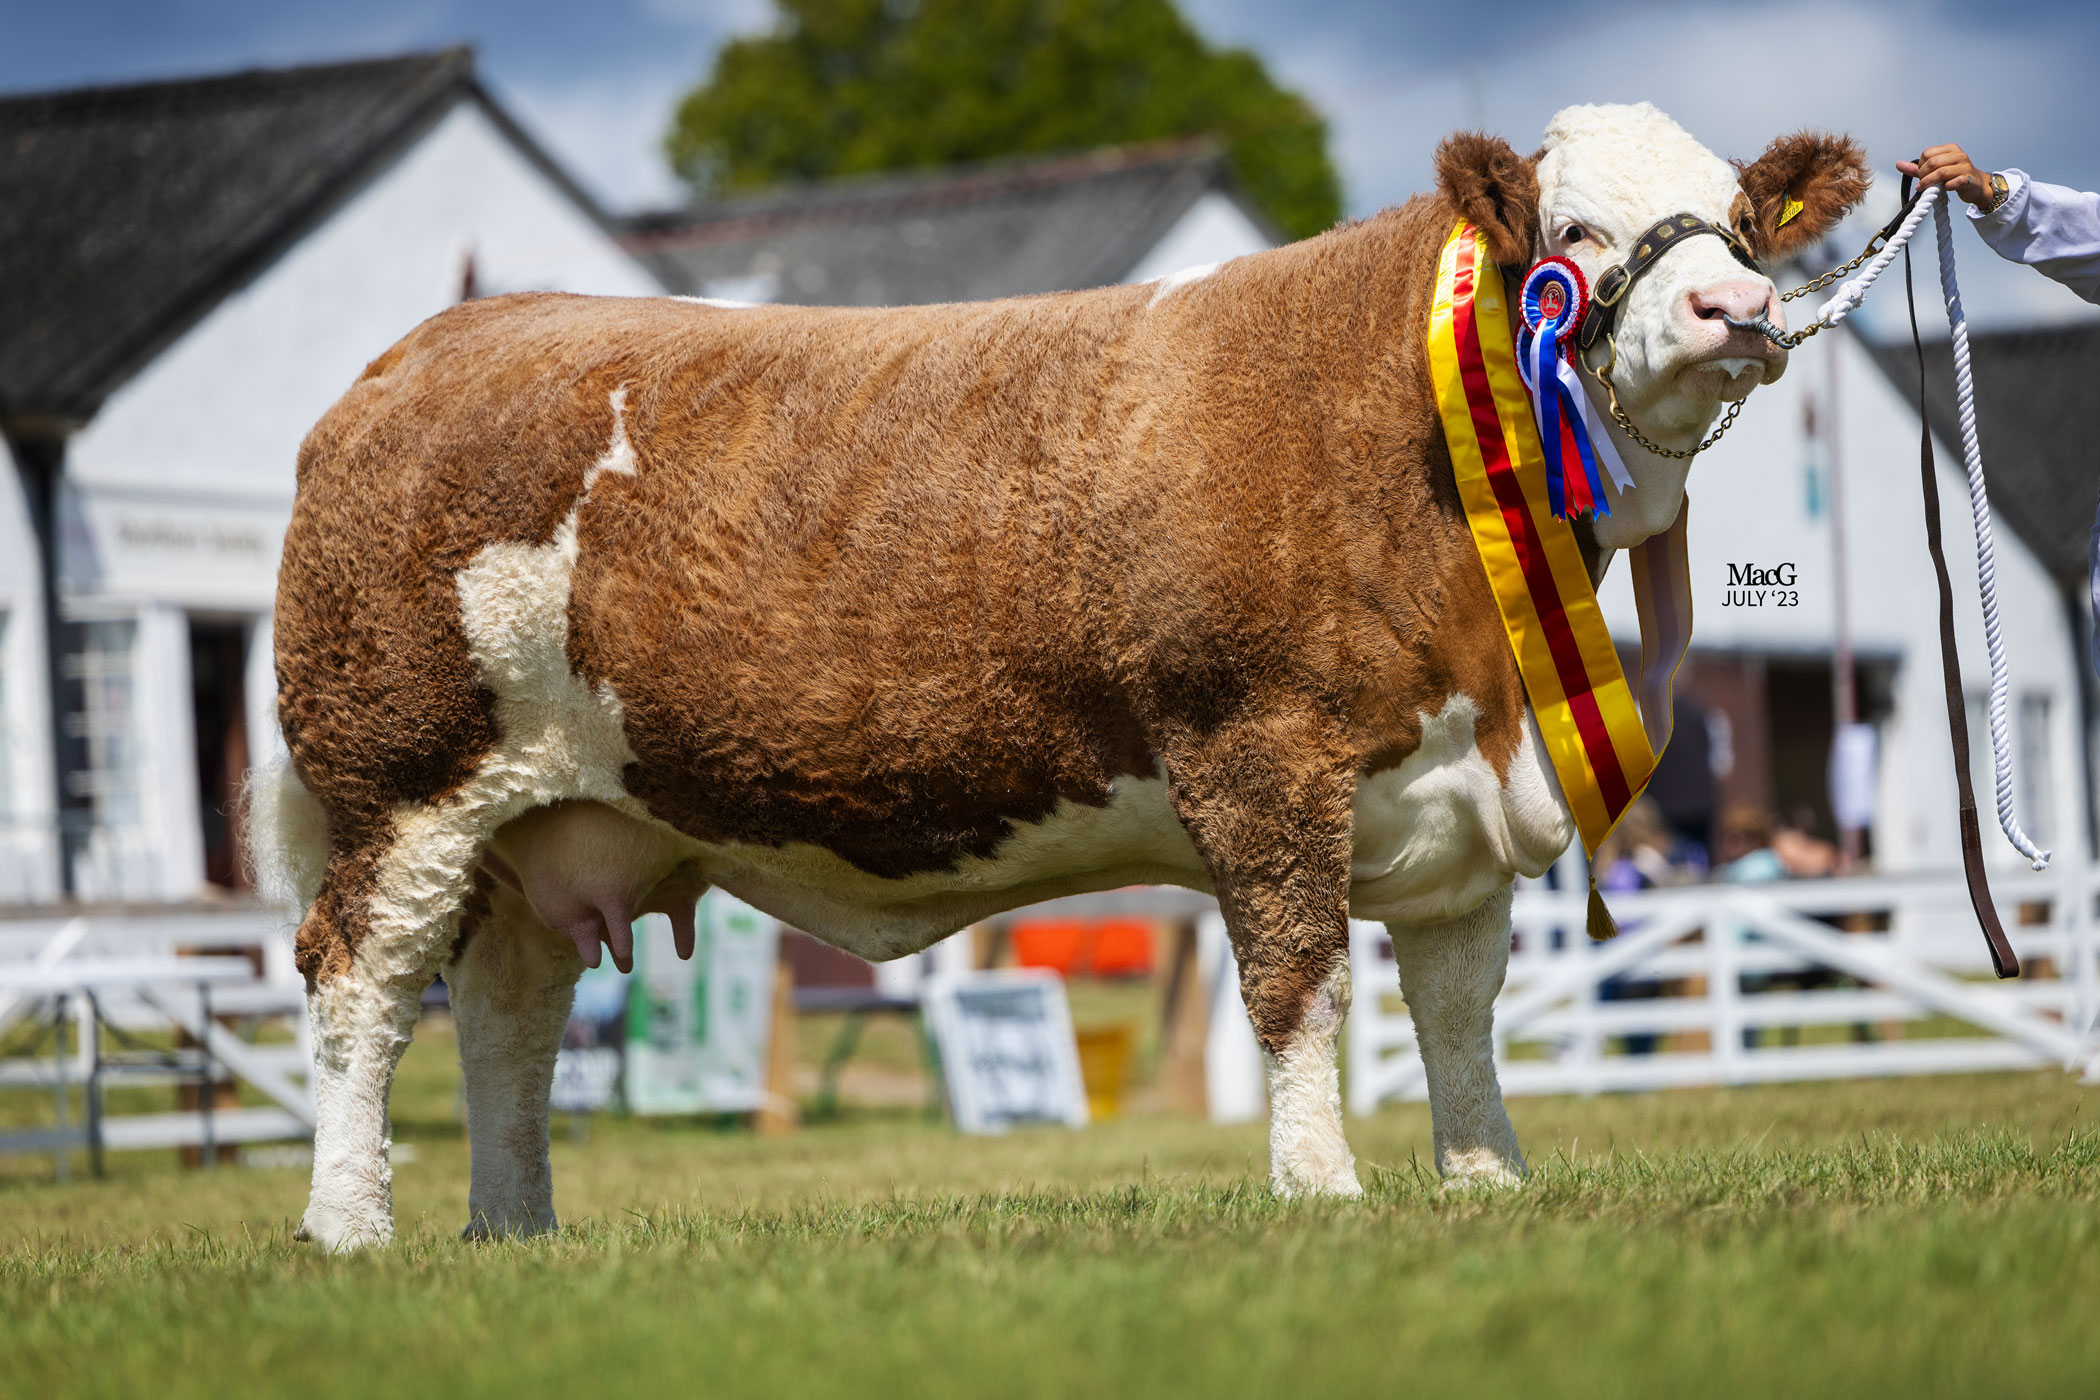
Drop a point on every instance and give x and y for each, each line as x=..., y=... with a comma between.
x=2050, y=228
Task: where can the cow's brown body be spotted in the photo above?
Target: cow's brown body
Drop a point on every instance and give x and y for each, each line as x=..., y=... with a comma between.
x=887, y=582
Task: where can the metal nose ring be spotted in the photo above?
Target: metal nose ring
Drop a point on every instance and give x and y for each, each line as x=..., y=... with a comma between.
x=1762, y=324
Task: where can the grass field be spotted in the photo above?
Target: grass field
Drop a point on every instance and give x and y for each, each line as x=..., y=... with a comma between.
x=1919, y=1238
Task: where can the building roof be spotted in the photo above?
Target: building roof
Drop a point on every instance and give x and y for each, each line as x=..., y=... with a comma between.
x=131, y=211
x=2037, y=397
x=960, y=234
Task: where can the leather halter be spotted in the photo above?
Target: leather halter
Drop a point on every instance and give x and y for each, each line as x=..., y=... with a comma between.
x=1660, y=238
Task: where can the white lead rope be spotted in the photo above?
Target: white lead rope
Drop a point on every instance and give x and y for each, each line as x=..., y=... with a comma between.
x=1843, y=303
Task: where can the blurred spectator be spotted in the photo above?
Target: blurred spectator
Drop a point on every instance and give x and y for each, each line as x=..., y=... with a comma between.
x=1803, y=854
x=1745, y=842
x=1641, y=852
x=1636, y=856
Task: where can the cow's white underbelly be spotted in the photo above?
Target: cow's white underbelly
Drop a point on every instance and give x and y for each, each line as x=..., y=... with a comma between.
x=1433, y=837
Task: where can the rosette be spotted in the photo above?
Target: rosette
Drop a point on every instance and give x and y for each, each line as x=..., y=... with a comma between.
x=1553, y=300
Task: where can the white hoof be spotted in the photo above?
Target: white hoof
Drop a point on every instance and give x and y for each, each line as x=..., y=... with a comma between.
x=1338, y=1182
x=339, y=1231
x=352, y=1205
x=1482, y=1169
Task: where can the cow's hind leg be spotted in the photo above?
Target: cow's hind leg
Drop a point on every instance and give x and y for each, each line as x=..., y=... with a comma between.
x=377, y=932
x=1450, y=974
x=361, y=1021
x=511, y=985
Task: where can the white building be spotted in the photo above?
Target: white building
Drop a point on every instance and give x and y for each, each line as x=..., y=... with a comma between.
x=1760, y=676
x=190, y=273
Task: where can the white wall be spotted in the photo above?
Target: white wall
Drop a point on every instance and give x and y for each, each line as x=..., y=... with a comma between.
x=1213, y=229
x=180, y=489
x=1749, y=505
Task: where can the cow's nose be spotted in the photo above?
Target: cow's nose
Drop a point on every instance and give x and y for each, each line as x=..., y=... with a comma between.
x=1742, y=299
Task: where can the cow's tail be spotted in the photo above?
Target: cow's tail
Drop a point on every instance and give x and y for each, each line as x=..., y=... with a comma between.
x=287, y=836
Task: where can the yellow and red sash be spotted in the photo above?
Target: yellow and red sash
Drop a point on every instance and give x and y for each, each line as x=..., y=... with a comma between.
x=1602, y=745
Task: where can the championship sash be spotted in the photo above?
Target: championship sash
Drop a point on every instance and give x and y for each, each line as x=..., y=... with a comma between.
x=1603, y=747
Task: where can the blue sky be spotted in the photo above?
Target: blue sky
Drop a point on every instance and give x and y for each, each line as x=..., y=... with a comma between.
x=596, y=81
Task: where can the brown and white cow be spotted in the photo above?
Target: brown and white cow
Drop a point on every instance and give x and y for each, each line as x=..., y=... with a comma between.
x=887, y=620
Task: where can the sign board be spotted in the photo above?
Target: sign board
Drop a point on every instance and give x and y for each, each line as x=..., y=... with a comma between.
x=696, y=1031
x=1006, y=1046
x=593, y=1044
x=212, y=549
x=680, y=1036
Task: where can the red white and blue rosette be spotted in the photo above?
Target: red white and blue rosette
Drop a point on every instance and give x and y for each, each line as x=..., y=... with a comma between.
x=1554, y=299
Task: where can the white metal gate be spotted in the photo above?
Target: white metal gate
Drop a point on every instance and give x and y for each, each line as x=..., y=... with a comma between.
x=1740, y=984
x=96, y=980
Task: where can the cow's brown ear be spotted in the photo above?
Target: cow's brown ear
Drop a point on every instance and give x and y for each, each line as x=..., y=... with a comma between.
x=1799, y=189
x=1495, y=189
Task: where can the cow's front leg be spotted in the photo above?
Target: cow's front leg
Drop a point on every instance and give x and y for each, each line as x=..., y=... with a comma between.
x=1270, y=815
x=1450, y=974
x=511, y=987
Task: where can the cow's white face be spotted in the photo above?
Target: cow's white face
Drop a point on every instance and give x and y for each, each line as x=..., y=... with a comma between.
x=1607, y=175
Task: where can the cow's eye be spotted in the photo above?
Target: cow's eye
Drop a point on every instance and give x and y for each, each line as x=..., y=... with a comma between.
x=1574, y=233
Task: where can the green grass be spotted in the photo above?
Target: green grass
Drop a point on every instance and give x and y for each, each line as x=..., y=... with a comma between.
x=1922, y=1238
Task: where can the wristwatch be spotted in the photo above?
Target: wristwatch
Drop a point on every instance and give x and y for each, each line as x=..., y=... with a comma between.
x=2000, y=191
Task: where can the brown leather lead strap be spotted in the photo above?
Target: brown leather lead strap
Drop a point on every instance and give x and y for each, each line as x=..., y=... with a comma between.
x=2002, y=958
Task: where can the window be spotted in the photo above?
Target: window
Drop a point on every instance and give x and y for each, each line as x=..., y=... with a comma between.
x=100, y=733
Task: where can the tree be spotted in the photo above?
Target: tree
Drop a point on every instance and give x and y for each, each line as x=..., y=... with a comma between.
x=848, y=86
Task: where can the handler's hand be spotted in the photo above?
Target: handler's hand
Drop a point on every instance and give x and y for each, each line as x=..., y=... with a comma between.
x=1950, y=166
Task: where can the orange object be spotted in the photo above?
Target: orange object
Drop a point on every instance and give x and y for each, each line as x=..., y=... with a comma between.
x=1111, y=947
x=1122, y=948
x=1058, y=944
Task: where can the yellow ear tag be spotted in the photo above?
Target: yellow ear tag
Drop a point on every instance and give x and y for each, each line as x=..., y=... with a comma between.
x=1791, y=207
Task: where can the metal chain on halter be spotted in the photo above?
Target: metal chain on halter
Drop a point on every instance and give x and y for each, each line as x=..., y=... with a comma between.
x=1619, y=416
x=1874, y=246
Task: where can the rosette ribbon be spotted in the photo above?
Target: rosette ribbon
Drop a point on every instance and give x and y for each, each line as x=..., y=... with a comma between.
x=1554, y=299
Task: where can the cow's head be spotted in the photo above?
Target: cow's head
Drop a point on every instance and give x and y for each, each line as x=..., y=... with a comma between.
x=1606, y=175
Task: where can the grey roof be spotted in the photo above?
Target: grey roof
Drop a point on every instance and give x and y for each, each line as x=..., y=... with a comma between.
x=129, y=212
x=1005, y=229
x=2037, y=398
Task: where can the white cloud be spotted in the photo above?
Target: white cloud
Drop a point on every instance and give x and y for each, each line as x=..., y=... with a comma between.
x=605, y=121
x=714, y=16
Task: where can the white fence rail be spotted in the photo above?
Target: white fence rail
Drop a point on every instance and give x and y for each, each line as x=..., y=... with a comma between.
x=1741, y=984
x=109, y=988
